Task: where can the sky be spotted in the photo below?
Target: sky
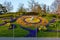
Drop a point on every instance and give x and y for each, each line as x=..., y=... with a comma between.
x=16, y=3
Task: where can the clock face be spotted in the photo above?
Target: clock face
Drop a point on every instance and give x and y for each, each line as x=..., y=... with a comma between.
x=31, y=20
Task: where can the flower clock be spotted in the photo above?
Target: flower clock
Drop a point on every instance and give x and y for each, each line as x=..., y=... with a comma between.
x=31, y=21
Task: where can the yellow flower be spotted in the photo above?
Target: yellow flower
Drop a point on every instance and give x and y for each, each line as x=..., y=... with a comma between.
x=39, y=28
x=8, y=24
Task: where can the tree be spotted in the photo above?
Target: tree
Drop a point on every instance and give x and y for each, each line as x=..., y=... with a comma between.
x=8, y=6
x=0, y=5
x=44, y=8
x=31, y=5
x=48, y=10
x=56, y=6
x=21, y=8
x=2, y=9
x=38, y=8
x=34, y=6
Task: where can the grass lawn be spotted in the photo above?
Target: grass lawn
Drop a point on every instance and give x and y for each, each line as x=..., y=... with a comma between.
x=4, y=32
x=18, y=32
x=47, y=34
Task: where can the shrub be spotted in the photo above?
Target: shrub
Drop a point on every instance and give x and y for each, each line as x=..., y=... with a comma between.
x=52, y=15
x=58, y=16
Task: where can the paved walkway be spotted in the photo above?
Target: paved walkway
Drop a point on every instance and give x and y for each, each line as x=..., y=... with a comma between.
x=25, y=38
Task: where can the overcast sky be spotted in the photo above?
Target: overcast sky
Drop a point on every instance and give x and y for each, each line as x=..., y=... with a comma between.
x=15, y=3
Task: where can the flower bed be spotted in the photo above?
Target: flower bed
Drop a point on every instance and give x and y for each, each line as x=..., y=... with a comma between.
x=37, y=22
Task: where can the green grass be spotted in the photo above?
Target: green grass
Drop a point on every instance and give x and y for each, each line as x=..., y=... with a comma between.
x=47, y=34
x=4, y=32
x=18, y=32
